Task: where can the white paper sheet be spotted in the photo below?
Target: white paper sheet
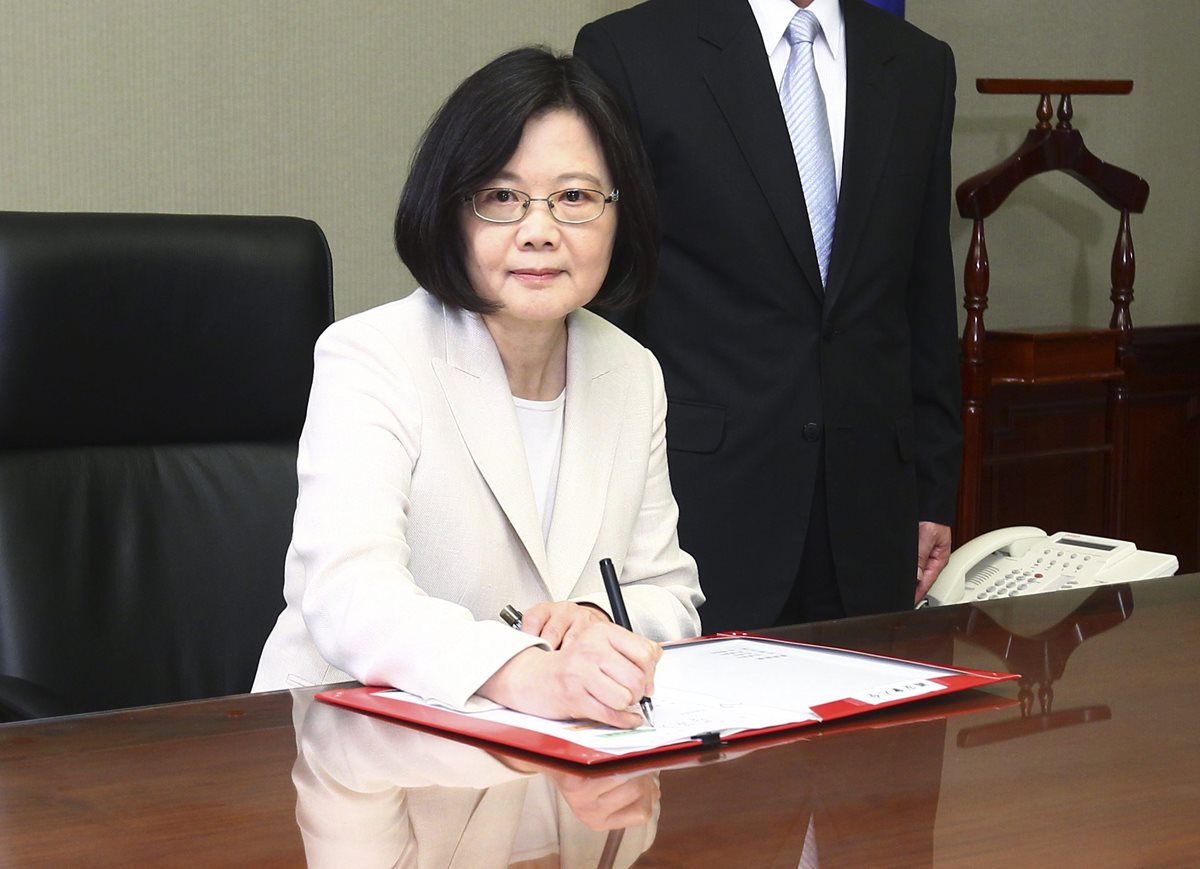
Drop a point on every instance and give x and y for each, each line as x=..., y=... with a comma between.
x=729, y=685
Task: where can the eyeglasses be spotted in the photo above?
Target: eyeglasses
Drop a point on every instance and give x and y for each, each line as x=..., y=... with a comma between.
x=505, y=205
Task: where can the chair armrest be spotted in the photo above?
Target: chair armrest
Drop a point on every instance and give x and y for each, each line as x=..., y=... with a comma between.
x=22, y=700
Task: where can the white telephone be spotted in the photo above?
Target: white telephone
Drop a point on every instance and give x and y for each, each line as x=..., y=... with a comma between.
x=1024, y=560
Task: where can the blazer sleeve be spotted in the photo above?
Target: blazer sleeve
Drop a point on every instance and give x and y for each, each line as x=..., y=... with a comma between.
x=933, y=315
x=361, y=606
x=659, y=581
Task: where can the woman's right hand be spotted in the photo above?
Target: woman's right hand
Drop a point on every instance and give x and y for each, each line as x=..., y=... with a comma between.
x=611, y=802
x=601, y=676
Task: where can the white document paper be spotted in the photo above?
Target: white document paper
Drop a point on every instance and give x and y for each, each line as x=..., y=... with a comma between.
x=729, y=685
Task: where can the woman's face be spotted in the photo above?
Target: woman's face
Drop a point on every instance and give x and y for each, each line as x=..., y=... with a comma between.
x=537, y=269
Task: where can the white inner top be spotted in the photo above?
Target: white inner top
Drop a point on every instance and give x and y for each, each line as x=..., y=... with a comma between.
x=541, y=424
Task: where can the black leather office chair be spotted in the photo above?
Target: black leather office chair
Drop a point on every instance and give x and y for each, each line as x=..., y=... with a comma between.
x=154, y=374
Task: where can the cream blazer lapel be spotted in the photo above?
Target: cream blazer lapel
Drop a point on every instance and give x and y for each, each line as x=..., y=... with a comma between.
x=591, y=430
x=476, y=388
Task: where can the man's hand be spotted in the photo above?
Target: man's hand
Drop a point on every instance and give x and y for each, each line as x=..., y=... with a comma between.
x=933, y=551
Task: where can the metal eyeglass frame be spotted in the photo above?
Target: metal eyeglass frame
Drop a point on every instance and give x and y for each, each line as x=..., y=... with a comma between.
x=527, y=200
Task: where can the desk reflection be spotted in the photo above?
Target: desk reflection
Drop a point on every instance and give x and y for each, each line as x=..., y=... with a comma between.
x=375, y=792
x=1041, y=659
x=371, y=792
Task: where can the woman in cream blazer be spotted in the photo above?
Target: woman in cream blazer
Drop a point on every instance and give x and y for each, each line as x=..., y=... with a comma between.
x=416, y=521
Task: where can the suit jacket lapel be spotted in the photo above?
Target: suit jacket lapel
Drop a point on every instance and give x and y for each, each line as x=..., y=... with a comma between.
x=476, y=388
x=591, y=429
x=871, y=103
x=741, y=83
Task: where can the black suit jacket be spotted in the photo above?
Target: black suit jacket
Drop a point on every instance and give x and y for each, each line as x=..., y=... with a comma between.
x=765, y=373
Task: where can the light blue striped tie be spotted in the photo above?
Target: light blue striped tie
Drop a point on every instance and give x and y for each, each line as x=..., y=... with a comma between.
x=808, y=124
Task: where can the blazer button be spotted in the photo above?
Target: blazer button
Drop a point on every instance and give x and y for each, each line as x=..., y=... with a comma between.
x=811, y=432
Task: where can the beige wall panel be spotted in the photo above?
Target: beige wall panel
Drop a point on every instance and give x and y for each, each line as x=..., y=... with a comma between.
x=246, y=106
x=313, y=108
x=1050, y=244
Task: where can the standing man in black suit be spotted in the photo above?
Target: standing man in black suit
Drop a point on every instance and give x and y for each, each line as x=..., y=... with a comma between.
x=813, y=423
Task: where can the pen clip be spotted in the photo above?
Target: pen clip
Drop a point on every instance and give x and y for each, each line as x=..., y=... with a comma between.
x=710, y=739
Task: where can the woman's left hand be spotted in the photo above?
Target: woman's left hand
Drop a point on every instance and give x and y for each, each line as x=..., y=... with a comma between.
x=560, y=622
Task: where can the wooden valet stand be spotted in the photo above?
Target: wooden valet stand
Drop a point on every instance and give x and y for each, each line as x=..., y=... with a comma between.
x=1043, y=356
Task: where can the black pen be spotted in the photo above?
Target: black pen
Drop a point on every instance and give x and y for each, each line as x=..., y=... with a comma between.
x=621, y=617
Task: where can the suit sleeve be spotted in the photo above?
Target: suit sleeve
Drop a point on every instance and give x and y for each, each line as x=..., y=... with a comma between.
x=933, y=319
x=595, y=47
x=364, y=611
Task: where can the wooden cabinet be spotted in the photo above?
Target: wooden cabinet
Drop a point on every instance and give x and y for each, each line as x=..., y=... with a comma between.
x=1045, y=451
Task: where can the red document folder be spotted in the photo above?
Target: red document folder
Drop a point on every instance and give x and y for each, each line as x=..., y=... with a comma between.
x=886, y=694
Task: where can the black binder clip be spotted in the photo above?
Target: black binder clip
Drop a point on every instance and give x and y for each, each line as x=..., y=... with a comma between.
x=711, y=739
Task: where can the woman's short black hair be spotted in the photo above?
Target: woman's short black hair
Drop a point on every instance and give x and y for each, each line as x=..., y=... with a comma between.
x=474, y=135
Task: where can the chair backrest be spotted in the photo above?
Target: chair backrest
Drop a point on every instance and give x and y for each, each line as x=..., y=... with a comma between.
x=154, y=374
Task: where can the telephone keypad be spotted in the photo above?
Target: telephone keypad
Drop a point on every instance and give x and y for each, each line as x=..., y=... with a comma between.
x=1045, y=569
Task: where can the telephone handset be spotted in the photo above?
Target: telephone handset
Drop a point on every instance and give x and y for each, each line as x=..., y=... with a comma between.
x=1025, y=560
